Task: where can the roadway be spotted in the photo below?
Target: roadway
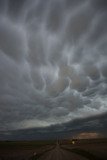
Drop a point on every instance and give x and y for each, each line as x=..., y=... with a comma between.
x=60, y=154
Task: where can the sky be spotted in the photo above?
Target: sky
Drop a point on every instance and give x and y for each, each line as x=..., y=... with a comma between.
x=53, y=68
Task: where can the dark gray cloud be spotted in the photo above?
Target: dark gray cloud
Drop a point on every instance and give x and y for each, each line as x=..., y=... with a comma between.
x=53, y=67
x=10, y=46
x=96, y=124
x=100, y=4
x=55, y=17
x=104, y=69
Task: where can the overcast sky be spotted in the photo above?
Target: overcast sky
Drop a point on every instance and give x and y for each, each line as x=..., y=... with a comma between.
x=53, y=68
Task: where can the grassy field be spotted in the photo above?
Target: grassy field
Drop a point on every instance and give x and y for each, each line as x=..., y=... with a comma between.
x=24, y=144
x=92, y=149
x=23, y=150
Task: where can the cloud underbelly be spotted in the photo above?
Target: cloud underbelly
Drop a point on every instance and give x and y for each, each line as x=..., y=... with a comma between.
x=53, y=66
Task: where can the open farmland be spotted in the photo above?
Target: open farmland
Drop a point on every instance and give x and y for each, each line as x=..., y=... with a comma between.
x=95, y=149
x=18, y=150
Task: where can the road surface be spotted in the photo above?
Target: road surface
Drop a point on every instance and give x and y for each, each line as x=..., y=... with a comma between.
x=60, y=154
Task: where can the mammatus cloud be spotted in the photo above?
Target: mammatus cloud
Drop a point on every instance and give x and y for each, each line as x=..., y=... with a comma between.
x=53, y=67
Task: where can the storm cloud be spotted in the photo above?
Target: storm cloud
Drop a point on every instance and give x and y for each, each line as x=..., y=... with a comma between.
x=53, y=66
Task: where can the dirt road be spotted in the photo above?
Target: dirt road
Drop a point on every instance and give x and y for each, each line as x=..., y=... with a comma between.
x=60, y=154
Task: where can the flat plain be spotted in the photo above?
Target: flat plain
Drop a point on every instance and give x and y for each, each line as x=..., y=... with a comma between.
x=89, y=149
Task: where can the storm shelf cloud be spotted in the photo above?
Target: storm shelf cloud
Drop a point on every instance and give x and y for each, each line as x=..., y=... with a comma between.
x=53, y=67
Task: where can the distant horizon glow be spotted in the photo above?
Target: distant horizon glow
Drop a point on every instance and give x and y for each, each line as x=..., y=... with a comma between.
x=89, y=135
